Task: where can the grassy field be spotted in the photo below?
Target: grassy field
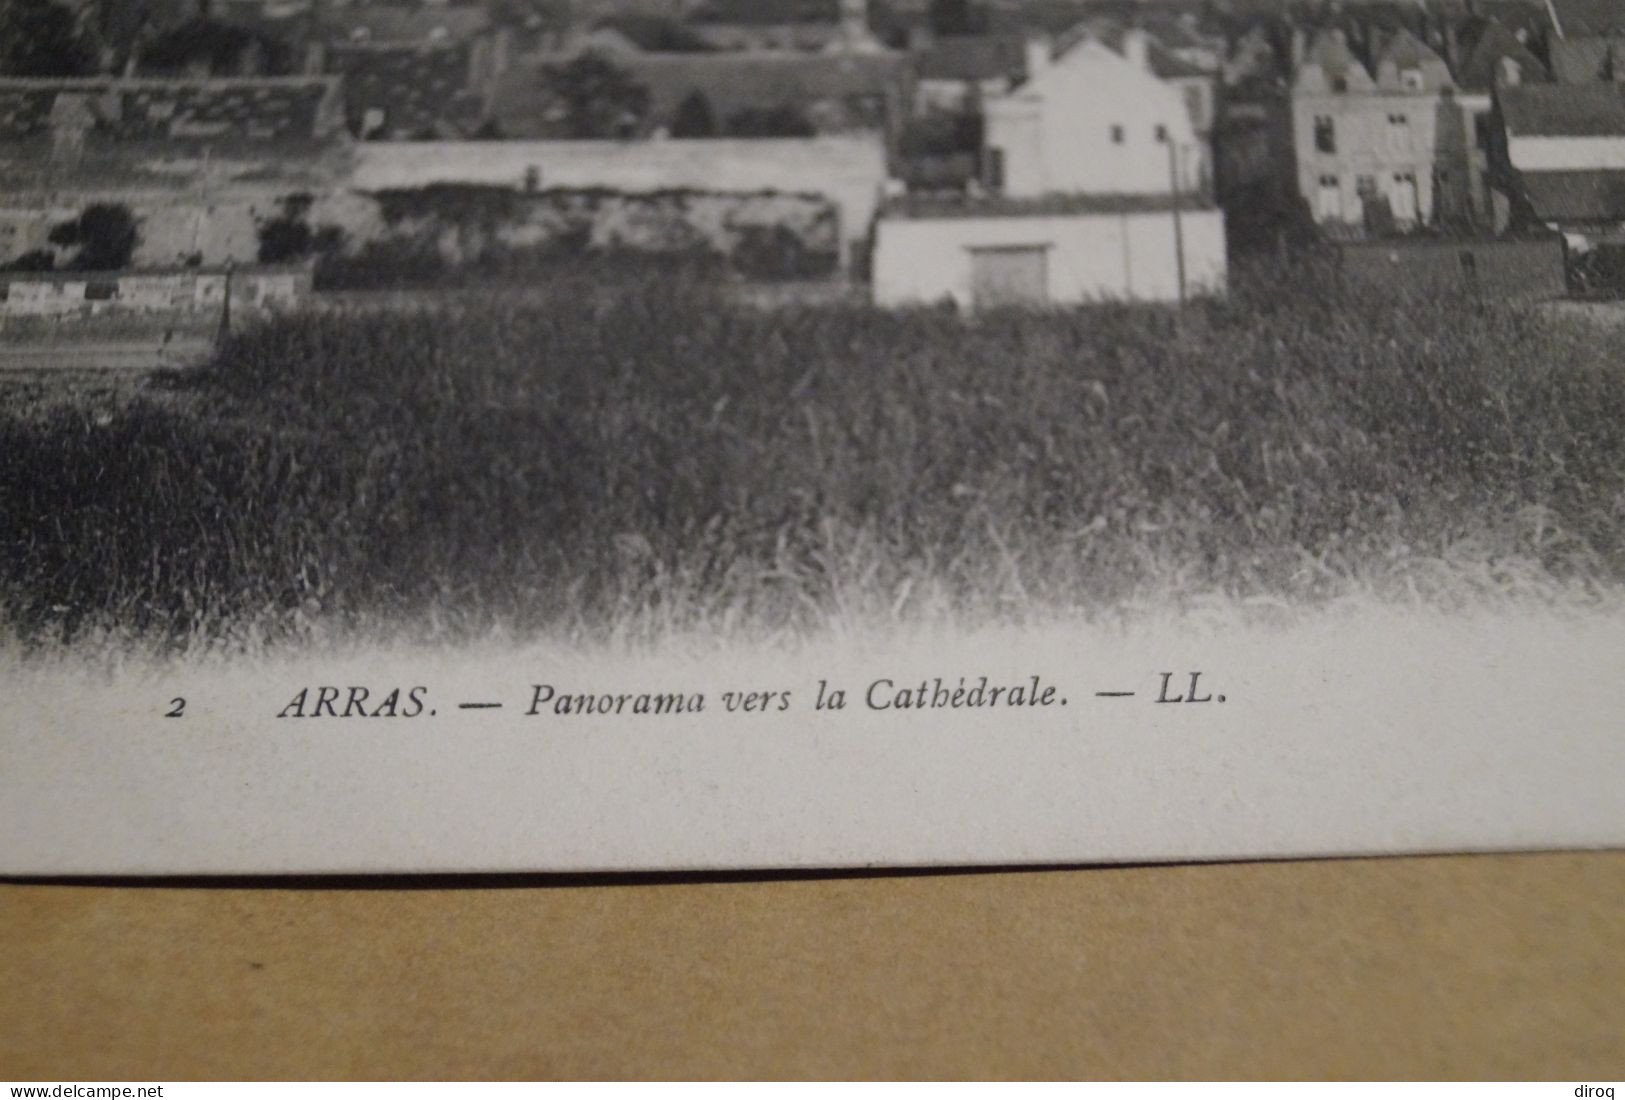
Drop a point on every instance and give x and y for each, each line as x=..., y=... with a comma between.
x=625, y=462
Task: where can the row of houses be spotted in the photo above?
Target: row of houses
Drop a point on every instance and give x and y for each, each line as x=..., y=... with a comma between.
x=1105, y=155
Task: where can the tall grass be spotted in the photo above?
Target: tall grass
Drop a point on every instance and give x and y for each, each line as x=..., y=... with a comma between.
x=621, y=462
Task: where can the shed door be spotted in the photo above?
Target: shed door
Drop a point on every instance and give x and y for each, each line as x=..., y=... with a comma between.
x=1009, y=276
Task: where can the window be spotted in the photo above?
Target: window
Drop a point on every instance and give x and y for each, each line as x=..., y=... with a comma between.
x=995, y=168
x=1411, y=80
x=1340, y=84
x=101, y=290
x=1161, y=133
x=1366, y=186
x=1481, y=131
x=533, y=177
x=1325, y=134
x=1117, y=135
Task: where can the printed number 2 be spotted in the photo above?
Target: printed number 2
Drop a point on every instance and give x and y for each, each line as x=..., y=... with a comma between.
x=177, y=706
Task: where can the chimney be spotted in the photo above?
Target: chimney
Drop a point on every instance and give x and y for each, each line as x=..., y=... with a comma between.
x=854, y=20
x=1038, y=55
x=1136, y=49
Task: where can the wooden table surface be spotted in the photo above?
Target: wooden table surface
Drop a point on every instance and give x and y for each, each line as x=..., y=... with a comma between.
x=1472, y=966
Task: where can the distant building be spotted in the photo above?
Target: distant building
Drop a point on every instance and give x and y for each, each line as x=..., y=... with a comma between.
x=1097, y=191
x=1376, y=151
x=1093, y=120
x=1054, y=250
x=1563, y=160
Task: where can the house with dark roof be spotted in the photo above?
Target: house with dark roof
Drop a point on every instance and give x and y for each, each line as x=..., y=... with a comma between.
x=1562, y=164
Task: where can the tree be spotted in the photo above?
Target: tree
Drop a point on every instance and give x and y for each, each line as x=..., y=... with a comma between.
x=104, y=233
x=694, y=118
x=41, y=38
x=600, y=99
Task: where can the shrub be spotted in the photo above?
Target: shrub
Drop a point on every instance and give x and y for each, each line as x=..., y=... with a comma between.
x=619, y=456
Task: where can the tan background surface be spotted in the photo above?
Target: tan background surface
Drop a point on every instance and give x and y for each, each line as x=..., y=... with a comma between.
x=1468, y=966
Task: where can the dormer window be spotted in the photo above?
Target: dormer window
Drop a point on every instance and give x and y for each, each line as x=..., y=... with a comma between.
x=1340, y=84
x=1411, y=80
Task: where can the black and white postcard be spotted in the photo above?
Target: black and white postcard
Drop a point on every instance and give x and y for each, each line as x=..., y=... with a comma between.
x=542, y=435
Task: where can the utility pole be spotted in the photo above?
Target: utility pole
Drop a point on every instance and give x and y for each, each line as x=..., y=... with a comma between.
x=1179, y=228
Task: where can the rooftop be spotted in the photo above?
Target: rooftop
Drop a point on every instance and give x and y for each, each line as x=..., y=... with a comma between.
x=1565, y=110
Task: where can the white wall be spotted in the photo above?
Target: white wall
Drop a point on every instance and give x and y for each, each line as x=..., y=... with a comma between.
x=1092, y=257
x=850, y=169
x=1560, y=154
x=1056, y=130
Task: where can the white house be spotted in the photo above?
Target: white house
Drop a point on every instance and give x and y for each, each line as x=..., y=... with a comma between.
x=1092, y=120
x=1096, y=192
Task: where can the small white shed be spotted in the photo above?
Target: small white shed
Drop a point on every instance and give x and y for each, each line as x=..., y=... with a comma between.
x=1059, y=250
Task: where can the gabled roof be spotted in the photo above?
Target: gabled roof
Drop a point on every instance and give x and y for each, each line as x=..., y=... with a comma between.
x=1587, y=18
x=1111, y=34
x=1597, y=196
x=1329, y=52
x=1564, y=110
x=1406, y=51
x=1484, y=44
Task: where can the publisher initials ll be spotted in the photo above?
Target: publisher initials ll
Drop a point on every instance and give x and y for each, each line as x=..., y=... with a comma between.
x=1190, y=695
